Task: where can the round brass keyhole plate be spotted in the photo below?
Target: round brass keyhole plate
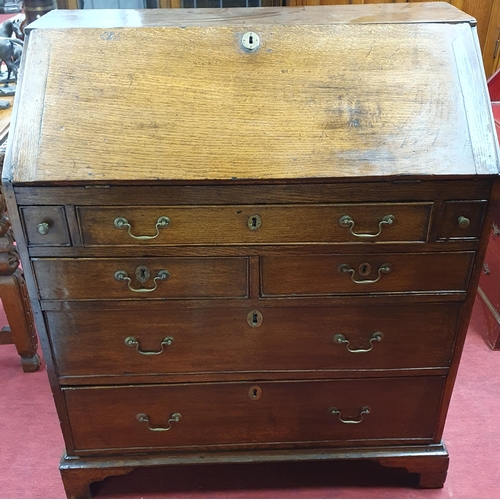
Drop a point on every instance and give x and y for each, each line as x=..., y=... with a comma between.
x=365, y=269
x=255, y=392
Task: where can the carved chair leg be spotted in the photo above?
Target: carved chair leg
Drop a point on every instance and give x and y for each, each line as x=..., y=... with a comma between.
x=20, y=317
x=77, y=481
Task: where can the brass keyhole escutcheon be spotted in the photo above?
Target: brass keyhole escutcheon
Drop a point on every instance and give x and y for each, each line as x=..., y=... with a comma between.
x=365, y=269
x=254, y=222
x=250, y=41
x=254, y=318
x=142, y=274
x=255, y=392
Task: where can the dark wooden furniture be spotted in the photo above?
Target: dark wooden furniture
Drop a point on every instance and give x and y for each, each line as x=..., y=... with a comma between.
x=270, y=250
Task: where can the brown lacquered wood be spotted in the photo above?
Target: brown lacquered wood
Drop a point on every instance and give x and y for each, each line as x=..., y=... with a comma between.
x=399, y=189
x=216, y=225
x=474, y=212
x=291, y=114
x=320, y=274
x=427, y=459
x=94, y=279
x=468, y=305
x=212, y=340
x=356, y=14
x=364, y=111
x=57, y=229
x=284, y=412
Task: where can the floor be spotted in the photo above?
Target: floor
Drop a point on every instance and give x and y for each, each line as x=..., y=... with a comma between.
x=31, y=445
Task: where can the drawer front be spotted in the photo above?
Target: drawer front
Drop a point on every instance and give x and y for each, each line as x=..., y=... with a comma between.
x=253, y=224
x=463, y=219
x=226, y=414
x=45, y=226
x=141, y=278
x=168, y=341
x=365, y=273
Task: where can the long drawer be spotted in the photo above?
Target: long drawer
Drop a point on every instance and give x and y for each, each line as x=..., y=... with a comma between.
x=141, y=278
x=151, y=340
x=232, y=414
x=364, y=273
x=253, y=224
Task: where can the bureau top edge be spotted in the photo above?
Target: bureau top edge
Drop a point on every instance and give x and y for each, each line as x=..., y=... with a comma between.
x=380, y=92
x=319, y=14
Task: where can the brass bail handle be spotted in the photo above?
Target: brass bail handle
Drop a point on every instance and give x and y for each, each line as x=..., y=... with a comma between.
x=340, y=339
x=383, y=269
x=162, y=275
x=365, y=410
x=346, y=221
x=122, y=223
x=133, y=342
x=174, y=418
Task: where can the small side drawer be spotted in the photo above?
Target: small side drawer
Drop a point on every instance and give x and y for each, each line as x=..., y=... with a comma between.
x=365, y=273
x=142, y=278
x=243, y=413
x=45, y=226
x=462, y=219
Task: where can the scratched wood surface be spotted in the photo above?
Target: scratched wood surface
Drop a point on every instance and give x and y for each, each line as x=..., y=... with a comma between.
x=314, y=101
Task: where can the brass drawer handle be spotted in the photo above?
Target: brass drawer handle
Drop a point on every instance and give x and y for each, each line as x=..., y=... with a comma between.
x=340, y=339
x=161, y=223
x=365, y=410
x=160, y=276
x=133, y=342
x=383, y=269
x=346, y=221
x=174, y=418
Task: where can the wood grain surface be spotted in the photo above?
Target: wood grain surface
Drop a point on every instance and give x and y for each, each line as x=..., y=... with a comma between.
x=286, y=412
x=210, y=340
x=315, y=100
x=94, y=279
x=340, y=14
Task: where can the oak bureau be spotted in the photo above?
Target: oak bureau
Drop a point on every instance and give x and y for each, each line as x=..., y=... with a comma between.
x=252, y=235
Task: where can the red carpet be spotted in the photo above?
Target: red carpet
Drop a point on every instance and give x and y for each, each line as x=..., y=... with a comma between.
x=31, y=445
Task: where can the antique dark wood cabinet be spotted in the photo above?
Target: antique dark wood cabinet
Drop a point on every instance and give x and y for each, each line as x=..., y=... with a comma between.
x=252, y=235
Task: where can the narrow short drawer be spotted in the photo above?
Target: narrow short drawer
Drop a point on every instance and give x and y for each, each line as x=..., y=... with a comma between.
x=141, y=278
x=150, y=340
x=45, y=226
x=365, y=273
x=229, y=415
x=462, y=219
x=255, y=224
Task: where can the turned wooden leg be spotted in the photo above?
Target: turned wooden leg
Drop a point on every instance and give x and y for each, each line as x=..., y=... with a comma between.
x=77, y=481
x=432, y=469
x=20, y=317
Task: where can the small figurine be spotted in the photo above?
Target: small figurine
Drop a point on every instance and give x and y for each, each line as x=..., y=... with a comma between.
x=10, y=54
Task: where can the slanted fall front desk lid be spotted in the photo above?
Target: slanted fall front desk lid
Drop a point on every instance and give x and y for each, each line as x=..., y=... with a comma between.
x=321, y=92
